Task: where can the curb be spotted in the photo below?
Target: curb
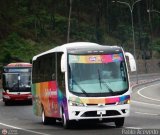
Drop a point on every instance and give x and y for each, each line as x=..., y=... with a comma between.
x=142, y=82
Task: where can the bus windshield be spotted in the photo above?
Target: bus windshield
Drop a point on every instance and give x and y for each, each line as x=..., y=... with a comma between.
x=97, y=75
x=17, y=82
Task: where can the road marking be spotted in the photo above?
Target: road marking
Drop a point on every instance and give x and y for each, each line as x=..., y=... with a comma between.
x=133, y=127
x=1, y=99
x=147, y=113
x=146, y=96
x=144, y=103
x=144, y=113
x=31, y=131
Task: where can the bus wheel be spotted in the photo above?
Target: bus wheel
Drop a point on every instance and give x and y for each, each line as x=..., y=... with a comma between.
x=119, y=122
x=65, y=122
x=6, y=103
x=45, y=120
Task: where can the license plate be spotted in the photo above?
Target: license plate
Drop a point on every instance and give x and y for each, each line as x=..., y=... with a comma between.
x=18, y=99
x=101, y=112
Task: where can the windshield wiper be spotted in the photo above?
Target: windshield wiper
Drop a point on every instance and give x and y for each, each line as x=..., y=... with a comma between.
x=99, y=78
x=83, y=91
x=109, y=88
x=101, y=81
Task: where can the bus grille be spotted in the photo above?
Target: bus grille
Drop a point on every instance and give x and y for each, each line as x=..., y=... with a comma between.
x=94, y=113
x=97, y=104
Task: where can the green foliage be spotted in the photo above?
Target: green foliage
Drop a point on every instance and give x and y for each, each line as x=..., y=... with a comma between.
x=29, y=27
x=123, y=33
x=60, y=24
x=82, y=31
x=156, y=46
x=16, y=48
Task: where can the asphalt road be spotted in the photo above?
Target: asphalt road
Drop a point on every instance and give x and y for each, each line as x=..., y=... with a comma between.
x=145, y=118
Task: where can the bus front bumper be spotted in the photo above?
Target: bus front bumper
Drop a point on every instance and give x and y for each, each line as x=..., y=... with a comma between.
x=99, y=113
x=16, y=96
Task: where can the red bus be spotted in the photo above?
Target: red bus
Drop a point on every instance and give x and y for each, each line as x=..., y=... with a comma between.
x=16, y=82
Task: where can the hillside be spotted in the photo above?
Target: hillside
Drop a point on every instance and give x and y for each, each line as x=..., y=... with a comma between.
x=29, y=27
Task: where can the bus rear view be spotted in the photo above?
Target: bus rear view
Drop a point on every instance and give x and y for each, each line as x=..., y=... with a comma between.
x=16, y=82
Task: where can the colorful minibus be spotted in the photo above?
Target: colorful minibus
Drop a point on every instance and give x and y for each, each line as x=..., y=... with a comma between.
x=82, y=81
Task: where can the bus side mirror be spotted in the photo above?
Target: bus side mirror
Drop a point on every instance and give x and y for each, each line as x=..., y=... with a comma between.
x=63, y=63
x=132, y=62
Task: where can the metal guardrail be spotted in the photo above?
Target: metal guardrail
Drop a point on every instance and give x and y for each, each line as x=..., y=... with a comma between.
x=144, y=78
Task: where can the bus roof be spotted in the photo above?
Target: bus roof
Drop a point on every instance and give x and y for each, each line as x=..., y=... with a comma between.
x=74, y=45
x=19, y=64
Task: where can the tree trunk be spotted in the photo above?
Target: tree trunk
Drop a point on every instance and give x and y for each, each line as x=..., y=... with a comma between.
x=69, y=21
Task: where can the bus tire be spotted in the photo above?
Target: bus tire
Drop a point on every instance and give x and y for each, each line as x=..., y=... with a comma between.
x=65, y=122
x=30, y=102
x=6, y=103
x=119, y=122
x=45, y=120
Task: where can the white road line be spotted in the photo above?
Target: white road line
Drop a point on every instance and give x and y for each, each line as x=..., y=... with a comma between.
x=144, y=113
x=144, y=103
x=146, y=96
x=133, y=127
x=31, y=131
x=147, y=113
x=1, y=99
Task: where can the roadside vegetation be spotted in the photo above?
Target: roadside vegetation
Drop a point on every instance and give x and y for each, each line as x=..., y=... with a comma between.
x=29, y=27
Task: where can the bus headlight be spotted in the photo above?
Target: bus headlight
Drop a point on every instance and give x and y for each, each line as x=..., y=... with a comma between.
x=124, y=102
x=73, y=103
x=6, y=97
x=30, y=96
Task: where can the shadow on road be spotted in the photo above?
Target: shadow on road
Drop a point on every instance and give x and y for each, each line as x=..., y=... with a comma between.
x=83, y=125
x=19, y=103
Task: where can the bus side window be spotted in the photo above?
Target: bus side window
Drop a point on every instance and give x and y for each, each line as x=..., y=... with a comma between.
x=47, y=67
x=40, y=73
x=53, y=67
x=37, y=71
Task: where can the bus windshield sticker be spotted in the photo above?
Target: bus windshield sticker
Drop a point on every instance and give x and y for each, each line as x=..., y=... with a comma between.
x=15, y=70
x=95, y=58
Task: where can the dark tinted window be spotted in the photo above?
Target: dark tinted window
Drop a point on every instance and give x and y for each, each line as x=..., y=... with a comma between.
x=44, y=68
